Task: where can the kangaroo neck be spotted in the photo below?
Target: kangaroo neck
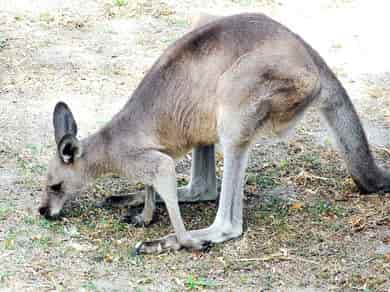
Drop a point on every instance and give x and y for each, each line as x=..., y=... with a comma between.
x=97, y=160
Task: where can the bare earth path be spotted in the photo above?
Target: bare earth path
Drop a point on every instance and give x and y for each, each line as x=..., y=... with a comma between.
x=305, y=225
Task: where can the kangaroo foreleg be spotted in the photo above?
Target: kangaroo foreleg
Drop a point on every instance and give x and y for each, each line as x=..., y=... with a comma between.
x=164, y=182
x=146, y=217
x=202, y=186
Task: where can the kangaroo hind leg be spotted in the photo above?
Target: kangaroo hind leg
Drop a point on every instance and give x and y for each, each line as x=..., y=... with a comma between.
x=203, y=183
x=254, y=97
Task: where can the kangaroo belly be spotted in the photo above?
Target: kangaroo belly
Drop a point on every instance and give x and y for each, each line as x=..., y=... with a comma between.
x=188, y=127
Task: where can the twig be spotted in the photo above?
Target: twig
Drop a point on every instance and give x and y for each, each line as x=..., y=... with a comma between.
x=305, y=260
x=308, y=175
x=275, y=256
x=278, y=256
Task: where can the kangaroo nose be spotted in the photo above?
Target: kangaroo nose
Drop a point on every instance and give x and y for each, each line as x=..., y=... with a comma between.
x=43, y=211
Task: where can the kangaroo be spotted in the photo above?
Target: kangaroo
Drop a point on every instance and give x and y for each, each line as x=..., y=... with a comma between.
x=225, y=82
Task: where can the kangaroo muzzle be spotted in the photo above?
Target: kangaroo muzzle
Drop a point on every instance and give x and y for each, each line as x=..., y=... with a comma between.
x=46, y=212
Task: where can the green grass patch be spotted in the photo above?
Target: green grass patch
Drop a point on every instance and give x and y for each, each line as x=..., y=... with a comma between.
x=310, y=160
x=9, y=241
x=274, y=213
x=120, y=3
x=179, y=22
x=323, y=208
x=53, y=226
x=197, y=283
x=46, y=17
x=263, y=180
x=4, y=276
x=42, y=241
x=275, y=208
x=266, y=181
x=286, y=218
x=89, y=286
x=4, y=212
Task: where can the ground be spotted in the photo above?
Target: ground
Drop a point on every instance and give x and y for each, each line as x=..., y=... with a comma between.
x=306, y=226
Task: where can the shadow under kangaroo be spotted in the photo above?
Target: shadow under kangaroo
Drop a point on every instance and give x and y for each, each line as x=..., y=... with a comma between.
x=225, y=82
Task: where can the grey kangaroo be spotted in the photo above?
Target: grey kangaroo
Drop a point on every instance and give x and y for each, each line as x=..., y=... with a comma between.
x=224, y=82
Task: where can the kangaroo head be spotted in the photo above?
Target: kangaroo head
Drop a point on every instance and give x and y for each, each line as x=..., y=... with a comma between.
x=66, y=171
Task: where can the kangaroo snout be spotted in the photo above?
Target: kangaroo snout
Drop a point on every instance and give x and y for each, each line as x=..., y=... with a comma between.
x=45, y=212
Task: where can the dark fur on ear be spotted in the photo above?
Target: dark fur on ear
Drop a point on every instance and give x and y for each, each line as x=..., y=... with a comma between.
x=63, y=121
x=65, y=131
x=69, y=148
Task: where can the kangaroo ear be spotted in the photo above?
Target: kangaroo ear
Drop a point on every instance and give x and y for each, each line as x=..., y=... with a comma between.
x=63, y=121
x=65, y=131
x=69, y=148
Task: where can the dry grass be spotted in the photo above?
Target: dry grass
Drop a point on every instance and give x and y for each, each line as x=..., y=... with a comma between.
x=305, y=224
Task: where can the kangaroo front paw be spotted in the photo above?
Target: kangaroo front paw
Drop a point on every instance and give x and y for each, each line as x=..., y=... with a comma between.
x=133, y=200
x=202, y=245
x=110, y=202
x=137, y=219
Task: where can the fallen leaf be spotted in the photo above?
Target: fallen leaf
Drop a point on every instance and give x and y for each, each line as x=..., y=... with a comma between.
x=296, y=206
x=357, y=223
x=196, y=254
x=108, y=258
x=330, y=215
x=251, y=189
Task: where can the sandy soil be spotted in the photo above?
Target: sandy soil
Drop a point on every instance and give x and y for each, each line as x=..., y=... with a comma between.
x=306, y=227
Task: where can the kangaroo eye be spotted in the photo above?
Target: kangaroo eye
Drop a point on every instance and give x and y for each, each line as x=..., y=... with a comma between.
x=56, y=187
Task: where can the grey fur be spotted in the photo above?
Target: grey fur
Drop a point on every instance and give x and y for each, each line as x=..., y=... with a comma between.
x=225, y=82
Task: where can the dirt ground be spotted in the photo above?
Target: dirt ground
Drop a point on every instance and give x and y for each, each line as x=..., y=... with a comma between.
x=306, y=227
